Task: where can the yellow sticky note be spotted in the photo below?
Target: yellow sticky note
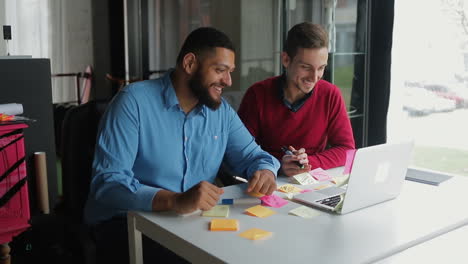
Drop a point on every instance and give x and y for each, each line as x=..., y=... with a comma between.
x=224, y=225
x=260, y=211
x=255, y=233
x=305, y=212
x=217, y=211
x=256, y=194
x=321, y=187
x=289, y=188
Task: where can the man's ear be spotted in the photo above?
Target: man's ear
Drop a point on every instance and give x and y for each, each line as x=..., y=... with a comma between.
x=189, y=63
x=285, y=59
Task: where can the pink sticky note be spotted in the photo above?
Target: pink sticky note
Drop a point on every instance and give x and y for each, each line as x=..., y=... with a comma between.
x=273, y=201
x=320, y=175
x=306, y=190
x=349, y=160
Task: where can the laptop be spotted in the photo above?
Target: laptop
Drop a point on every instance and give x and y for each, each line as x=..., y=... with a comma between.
x=377, y=175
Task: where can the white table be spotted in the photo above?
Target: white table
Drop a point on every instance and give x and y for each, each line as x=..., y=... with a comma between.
x=420, y=213
x=447, y=248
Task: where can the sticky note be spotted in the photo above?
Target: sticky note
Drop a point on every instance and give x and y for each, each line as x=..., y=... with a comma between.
x=320, y=175
x=273, y=201
x=224, y=225
x=304, y=212
x=217, y=211
x=321, y=187
x=289, y=196
x=349, y=160
x=255, y=194
x=340, y=181
x=305, y=190
x=255, y=234
x=303, y=179
x=289, y=188
x=260, y=211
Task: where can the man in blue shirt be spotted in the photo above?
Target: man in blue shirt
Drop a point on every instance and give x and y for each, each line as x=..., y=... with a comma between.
x=161, y=142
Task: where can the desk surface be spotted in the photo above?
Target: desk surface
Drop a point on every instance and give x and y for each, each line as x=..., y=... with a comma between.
x=420, y=213
x=447, y=248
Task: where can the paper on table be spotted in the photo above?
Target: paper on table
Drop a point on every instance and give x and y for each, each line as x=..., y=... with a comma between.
x=259, y=211
x=11, y=109
x=305, y=212
x=320, y=175
x=196, y=212
x=224, y=225
x=303, y=178
x=273, y=201
x=289, y=188
x=217, y=211
x=349, y=160
x=255, y=234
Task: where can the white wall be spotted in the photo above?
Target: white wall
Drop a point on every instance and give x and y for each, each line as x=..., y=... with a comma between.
x=2, y=22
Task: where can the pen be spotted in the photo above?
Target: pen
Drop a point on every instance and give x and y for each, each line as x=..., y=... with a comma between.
x=289, y=152
x=240, y=179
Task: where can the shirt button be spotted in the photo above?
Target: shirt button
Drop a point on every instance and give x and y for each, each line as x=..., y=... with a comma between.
x=186, y=138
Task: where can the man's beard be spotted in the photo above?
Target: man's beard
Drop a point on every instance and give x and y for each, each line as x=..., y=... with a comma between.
x=201, y=92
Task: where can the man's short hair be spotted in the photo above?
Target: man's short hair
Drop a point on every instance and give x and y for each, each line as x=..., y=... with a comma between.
x=204, y=39
x=307, y=36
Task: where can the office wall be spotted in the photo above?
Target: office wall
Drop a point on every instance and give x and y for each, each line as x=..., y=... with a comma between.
x=2, y=22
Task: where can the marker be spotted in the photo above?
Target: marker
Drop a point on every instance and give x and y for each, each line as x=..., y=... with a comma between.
x=240, y=179
x=289, y=152
x=241, y=201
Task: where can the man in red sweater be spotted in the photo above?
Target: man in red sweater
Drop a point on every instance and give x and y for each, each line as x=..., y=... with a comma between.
x=298, y=109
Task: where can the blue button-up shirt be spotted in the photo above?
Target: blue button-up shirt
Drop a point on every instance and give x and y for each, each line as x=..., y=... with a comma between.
x=146, y=143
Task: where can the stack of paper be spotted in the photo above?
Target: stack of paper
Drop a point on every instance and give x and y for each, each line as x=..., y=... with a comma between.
x=224, y=225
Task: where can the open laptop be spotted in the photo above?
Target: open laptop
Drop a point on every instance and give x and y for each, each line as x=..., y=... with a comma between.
x=377, y=175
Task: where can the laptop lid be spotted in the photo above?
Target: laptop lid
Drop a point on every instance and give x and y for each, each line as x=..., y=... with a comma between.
x=377, y=174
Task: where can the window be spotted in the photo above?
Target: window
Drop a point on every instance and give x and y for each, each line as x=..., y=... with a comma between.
x=429, y=88
x=256, y=37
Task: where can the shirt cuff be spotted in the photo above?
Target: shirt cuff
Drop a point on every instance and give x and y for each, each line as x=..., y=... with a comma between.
x=145, y=196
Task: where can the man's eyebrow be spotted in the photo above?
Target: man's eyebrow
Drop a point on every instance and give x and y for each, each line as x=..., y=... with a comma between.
x=224, y=66
x=310, y=65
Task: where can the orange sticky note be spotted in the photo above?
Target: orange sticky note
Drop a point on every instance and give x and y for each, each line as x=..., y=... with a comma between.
x=256, y=194
x=224, y=225
x=259, y=211
x=255, y=234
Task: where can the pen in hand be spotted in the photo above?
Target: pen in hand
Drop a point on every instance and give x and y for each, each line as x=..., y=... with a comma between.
x=289, y=152
x=240, y=179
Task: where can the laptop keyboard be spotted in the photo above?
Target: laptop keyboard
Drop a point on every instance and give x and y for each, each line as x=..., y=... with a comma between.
x=330, y=201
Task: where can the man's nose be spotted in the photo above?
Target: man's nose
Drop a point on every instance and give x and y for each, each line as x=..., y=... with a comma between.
x=314, y=76
x=227, y=80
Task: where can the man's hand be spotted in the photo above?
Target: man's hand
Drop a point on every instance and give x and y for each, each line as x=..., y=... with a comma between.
x=263, y=181
x=289, y=163
x=202, y=196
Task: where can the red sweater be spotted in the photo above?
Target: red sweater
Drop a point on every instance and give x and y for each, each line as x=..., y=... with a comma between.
x=322, y=121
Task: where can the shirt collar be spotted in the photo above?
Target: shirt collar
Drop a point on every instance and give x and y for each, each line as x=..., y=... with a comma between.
x=296, y=105
x=170, y=98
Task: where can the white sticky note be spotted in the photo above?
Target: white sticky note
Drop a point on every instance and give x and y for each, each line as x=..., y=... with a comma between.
x=303, y=179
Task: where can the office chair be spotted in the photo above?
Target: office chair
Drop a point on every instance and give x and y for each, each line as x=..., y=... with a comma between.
x=79, y=132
